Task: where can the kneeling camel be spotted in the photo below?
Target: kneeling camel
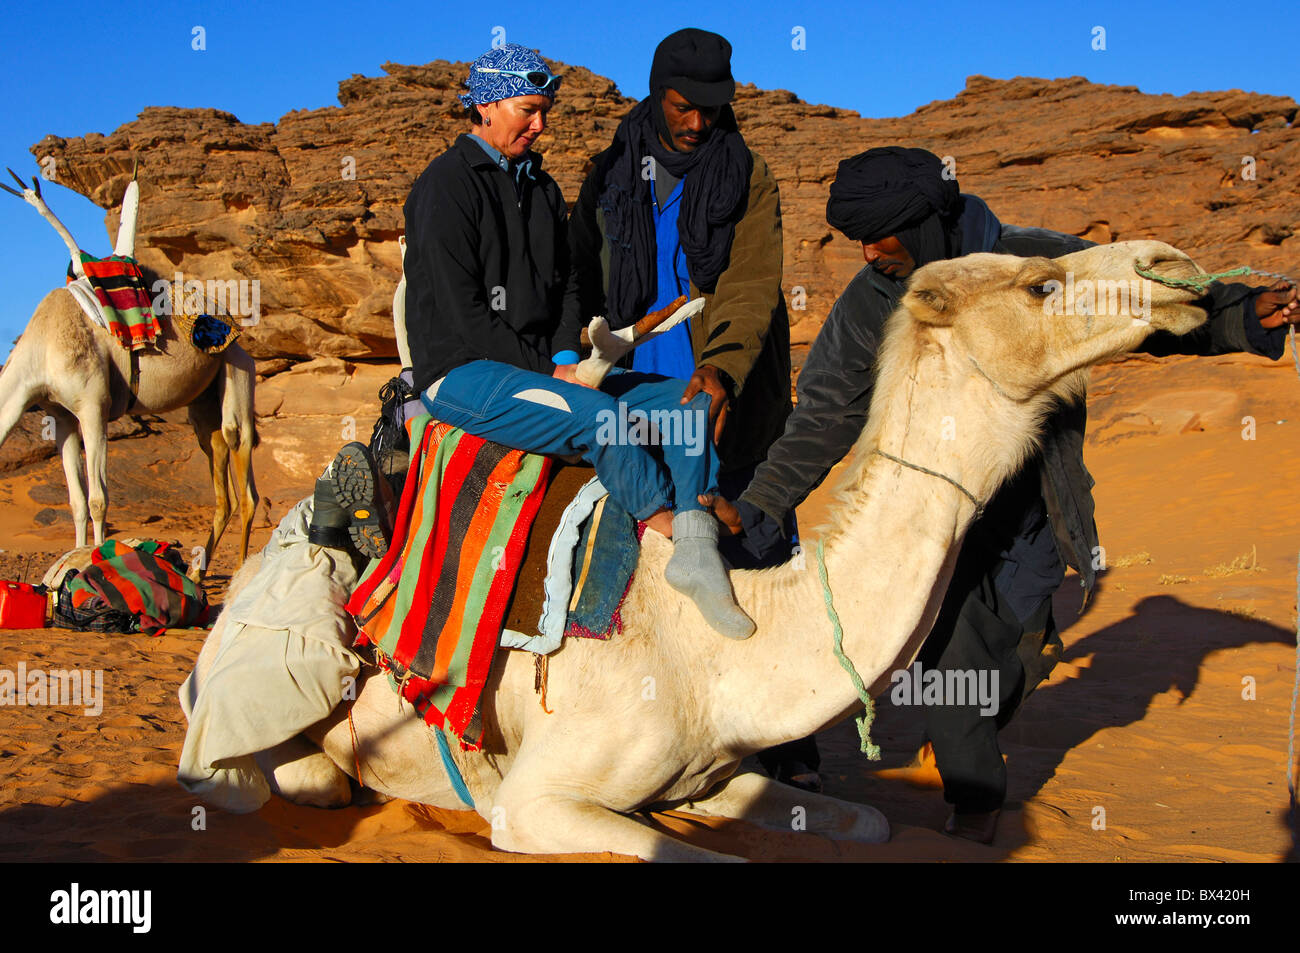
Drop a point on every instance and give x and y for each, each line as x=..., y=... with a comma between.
x=662, y=715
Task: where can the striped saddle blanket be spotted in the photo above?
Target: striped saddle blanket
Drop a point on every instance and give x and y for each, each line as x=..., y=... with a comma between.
x=431, y=608
x=124, y=301
x=146, y=583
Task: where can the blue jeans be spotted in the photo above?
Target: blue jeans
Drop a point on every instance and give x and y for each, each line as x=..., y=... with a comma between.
x=649, y=450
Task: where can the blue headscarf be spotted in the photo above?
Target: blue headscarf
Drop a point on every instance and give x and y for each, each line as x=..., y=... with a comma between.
x=491, y=87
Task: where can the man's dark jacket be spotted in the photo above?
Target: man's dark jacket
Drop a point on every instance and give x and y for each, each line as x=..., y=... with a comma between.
x=835, y=388
x=486, y=265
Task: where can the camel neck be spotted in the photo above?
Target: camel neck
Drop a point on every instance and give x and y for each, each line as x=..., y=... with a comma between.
x=887, y=598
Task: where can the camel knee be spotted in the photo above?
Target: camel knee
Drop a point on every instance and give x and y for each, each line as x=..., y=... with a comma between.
x=513, y=820
x=80, y=511
x=539, y=825
x=302, y=773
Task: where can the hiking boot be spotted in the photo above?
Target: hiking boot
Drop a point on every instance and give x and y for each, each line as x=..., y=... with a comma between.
x=348, y=497
x=696, y=570
x=393, y=465
x=329, y=521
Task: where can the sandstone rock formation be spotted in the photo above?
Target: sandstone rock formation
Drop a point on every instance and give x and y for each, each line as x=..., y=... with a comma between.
x=312, y=205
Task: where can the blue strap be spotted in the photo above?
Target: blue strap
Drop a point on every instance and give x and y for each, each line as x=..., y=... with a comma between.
x=453, y=772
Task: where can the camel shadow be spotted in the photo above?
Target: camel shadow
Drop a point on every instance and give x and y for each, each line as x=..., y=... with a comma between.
x=1158, y=651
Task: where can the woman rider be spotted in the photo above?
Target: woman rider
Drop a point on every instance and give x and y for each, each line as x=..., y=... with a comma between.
x=494, y=337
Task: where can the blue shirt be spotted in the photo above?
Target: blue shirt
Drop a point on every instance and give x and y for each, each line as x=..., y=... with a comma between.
x=670, y=354
x=516, y=169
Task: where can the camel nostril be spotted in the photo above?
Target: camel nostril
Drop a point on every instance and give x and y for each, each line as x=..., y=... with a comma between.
x=1173, y=267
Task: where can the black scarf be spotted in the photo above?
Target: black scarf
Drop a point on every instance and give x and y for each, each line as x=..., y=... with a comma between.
x=713, y=201
x=934, y=238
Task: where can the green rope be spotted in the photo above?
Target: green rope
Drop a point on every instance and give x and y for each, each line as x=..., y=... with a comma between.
x=1197, y=284
x=863, y=721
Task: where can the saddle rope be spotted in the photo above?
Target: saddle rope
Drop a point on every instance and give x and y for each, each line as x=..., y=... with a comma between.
x=1199, y=284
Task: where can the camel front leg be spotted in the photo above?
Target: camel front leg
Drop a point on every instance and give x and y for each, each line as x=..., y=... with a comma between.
x=206, y=423
x=239, y=429
x=68, y=439
x=241, y=463
x=562, y=824
x=779, y=807
x=94, y=432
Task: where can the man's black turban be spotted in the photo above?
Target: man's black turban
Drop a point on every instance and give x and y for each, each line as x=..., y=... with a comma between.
x=881, y=192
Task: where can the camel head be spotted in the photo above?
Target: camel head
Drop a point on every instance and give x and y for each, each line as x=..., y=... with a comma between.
x=1033, y=326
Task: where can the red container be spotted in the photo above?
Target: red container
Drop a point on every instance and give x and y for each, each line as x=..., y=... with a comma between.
x=21, y=606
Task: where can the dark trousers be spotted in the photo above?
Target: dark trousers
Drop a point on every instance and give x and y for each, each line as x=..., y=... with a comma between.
x=977, y=631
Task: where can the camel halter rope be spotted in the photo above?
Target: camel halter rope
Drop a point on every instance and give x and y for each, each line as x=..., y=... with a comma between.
x=1199, y=284
x=864, y=721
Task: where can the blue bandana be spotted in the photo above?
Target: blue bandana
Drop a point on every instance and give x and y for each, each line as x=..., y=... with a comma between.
x=487, y=87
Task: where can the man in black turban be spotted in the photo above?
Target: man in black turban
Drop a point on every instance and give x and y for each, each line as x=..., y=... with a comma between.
x=905, y=207
x=903, y=194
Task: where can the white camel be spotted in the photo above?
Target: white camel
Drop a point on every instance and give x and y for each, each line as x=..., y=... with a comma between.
x=661, y=715
x=79, y=374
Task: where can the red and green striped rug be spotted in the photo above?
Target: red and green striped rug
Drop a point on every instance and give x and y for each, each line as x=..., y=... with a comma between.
x=432, y=606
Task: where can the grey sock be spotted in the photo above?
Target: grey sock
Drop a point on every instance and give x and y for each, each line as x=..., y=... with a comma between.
x=696, y=570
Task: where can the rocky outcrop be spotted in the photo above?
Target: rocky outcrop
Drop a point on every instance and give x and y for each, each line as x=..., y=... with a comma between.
x=311, y=206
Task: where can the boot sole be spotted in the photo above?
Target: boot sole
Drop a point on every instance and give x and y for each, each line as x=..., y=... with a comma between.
x=354, y=485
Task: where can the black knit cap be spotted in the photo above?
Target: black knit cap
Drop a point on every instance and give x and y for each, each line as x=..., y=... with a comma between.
x=697, y=64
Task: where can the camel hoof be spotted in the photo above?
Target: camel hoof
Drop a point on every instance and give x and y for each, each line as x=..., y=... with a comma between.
x=868, y=827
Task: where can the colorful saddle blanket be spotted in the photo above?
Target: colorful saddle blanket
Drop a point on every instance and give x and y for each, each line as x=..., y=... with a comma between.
x=431, y=608
x=146, y=585
x=119, y=288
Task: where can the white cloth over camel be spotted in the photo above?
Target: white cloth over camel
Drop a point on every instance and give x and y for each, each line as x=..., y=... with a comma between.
x=281, y=666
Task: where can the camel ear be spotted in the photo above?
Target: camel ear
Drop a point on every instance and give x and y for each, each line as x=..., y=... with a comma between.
x=928, y=300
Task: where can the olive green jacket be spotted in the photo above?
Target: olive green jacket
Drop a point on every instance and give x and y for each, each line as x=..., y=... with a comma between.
x=744, y=329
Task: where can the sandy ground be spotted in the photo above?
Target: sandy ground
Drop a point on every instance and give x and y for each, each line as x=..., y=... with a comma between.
x=1162, y=736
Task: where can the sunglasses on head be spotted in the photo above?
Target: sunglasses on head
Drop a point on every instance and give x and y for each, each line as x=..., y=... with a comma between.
x=536, y=77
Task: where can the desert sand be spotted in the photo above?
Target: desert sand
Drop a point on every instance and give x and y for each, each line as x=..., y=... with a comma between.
x=1161, y=736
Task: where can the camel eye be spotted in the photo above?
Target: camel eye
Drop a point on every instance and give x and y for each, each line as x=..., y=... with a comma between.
x=1043, y=290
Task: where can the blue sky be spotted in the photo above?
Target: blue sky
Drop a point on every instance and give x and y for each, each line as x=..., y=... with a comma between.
x=82, y=72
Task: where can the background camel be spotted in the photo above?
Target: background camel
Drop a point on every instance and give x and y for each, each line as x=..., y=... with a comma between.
x=80, y=375
x=662, y=715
